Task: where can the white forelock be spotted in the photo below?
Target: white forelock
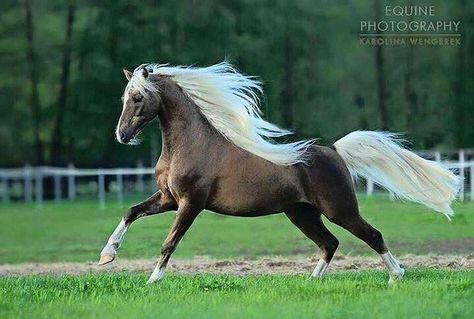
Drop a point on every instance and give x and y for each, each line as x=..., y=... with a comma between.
x=230, y=102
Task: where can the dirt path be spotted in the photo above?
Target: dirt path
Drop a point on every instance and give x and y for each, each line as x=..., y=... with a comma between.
x=239, y=267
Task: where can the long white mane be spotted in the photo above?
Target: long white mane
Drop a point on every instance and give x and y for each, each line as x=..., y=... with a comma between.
x=230, y=102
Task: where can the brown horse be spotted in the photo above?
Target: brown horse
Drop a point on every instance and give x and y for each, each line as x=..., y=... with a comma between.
x=219, y=154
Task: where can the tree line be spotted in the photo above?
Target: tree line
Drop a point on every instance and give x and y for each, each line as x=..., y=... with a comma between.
x=61, y=65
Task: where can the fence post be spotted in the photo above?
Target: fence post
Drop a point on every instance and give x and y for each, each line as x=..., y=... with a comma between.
x=471, y=180
x=370, y=187
x=140, y=186
x=120, y=187
x=27, y=187
x=101, y=186
x=39, y=188
x=71, y=182
x=461, y=174
x=57, y=187
x=5, y=195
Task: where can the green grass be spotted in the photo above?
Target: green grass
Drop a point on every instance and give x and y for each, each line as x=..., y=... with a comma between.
x=77, y=231
x=422, y=294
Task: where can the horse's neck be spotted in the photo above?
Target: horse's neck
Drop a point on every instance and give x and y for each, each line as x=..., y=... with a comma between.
x=181, y=122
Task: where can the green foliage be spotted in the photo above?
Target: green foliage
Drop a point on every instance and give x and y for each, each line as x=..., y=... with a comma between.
x=422, y=294
x=333, y=76
x=77, y=231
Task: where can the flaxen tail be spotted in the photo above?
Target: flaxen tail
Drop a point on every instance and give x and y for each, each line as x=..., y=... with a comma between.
x=379, y=156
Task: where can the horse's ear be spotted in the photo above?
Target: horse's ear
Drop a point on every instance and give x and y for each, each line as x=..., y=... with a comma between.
x=128, y=74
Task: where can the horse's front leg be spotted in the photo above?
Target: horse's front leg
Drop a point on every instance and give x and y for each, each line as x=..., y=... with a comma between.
x=185, y=216
x=155, y=204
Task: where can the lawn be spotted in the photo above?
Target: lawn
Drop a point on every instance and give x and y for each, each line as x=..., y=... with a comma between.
x=77, y=231
x=365, y=294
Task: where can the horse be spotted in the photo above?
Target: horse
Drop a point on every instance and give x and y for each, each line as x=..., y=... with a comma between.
x=219, y=154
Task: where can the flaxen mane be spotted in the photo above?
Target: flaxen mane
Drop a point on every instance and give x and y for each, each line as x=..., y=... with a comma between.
x=230, y=102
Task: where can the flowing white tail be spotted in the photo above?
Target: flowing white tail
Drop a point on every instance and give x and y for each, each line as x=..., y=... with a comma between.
x=379, y=156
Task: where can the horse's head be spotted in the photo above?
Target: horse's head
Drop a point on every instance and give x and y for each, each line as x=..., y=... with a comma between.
x=140, y=105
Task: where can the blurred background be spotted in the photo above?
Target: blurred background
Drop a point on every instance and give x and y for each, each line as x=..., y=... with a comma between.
x=61, y=82
x=61, y=72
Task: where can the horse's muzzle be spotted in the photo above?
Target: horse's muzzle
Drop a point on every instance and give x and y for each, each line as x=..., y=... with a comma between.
x=124, y=136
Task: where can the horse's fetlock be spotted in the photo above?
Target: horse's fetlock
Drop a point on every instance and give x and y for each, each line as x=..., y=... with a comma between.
x=376, y=237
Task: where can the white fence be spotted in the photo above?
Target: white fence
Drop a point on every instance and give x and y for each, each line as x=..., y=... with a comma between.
x=32, y=180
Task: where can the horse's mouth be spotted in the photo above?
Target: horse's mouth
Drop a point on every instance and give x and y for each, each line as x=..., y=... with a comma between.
x=129, y=139
x=134, y=140
x=132, y=137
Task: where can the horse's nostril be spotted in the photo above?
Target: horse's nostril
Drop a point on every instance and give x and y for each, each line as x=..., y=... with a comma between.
x=122, y=136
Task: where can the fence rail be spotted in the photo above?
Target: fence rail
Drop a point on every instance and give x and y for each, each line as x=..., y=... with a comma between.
x=36, y=175
x=32, y=180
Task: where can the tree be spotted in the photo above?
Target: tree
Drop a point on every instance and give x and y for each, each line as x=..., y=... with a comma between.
x=379, y=67
x=318, y=79
x=61, y=104
x=34, y=99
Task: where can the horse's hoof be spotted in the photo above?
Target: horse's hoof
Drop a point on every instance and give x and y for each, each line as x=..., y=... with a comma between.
x=105, y=259
x=157, y=275
x=396, y=277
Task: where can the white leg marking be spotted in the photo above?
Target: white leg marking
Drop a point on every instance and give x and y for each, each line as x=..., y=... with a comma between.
x=115, y=239
x=396, y=272
x=320, y=268
x=156, y=275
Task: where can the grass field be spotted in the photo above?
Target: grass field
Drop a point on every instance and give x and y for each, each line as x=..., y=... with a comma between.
x=423, y=294
x=77, y=231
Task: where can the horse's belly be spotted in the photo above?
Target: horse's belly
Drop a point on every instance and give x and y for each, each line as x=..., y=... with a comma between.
x=253, y=198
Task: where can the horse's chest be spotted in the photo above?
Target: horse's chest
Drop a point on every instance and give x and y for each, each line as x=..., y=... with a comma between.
x=161, y=175
x=165, y=184
x=181, y=183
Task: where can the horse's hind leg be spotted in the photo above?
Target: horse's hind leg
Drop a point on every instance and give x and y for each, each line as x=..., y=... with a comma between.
x=308, y=220
x=348, y=217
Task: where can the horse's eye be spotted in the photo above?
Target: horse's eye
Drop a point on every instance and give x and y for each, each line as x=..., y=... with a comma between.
x=137, y=97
